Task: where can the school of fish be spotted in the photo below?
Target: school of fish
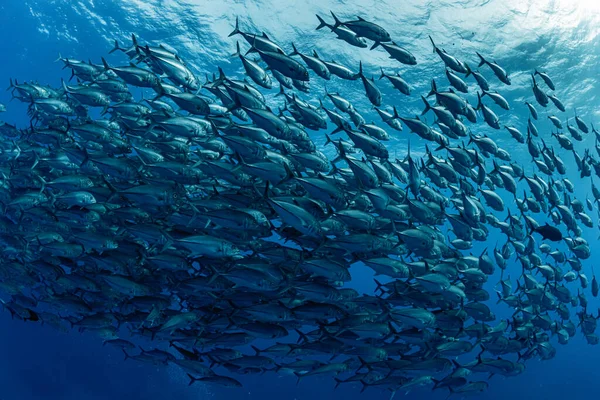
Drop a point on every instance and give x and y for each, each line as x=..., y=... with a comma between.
x=204, y=222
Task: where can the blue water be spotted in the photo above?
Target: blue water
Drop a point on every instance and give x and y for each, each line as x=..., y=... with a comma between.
x=557, y=36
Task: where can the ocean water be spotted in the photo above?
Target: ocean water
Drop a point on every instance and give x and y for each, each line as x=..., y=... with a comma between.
x=559, y=37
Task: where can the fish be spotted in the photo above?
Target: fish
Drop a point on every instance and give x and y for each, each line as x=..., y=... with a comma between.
x=211, y=219
x=364, y=28
x=450, y=61
x=498, y=70
x=546, y=79
x=398, y=53
x=373, y=92
x=548, y=232
x=343, y=33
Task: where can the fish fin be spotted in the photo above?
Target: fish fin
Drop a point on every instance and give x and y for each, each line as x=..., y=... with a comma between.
x=433, y=43
x=236, y=30
x=427, y=105
x=482, y=60
x=433, y=88
x=469, y=72
x=115, y=48
x=337, y=21
x=106, y=66
x=294, y=50
x=322, y=22
x=237, y=50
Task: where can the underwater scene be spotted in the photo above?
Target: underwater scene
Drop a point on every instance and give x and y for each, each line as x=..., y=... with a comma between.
x=299, y=199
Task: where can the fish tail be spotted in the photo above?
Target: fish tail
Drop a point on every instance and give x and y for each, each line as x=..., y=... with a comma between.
x=237, y=50
x=115, y=48
x=59, y=58
x=382, y=74
x=482, y=60
x=252, y=48
x=427, y=106
x=469, y=71
x=106, y=66
x=192, y=379
x=294, y=50
x=337, y=381
x=432, y=43
x=134, y=41
x=281, y=91
x=337, y=21
x=64, y=86
x=471, y=139
x=365, y=385
x=433, y=88
x=322, y=22
x=160, y=91
x=236, y=30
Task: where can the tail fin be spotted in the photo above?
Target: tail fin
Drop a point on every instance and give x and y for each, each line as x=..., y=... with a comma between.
x=328, y=139
x=365, y=385
x=116, y=47
x=252, y=48
x=237, y=50
x=322, y=22
x=281, y=91
x=482, y=60
x=427, y=105
x=256, y=350
x=294, y=50
x=160, y=91
x=433, y=43
x=360, y=71
x=337, y=381
x=106, y=66
x=236, y=30
x=192, y=379
x=469, y=72
x=433, y=89
x=64, y=86
x=337, y=22
x=383, y=75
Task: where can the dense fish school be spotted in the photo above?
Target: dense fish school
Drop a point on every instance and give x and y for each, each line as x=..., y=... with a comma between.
x=202, y=221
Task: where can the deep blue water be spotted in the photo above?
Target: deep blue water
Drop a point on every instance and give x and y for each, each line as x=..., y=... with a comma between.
x=560, y=37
